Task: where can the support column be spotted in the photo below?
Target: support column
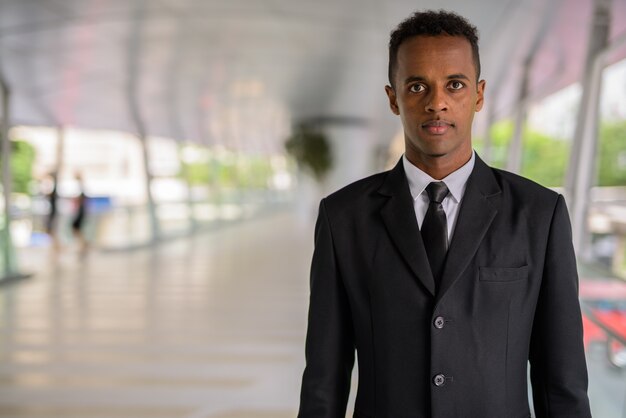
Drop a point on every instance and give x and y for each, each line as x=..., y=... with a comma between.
x=352, y=148
x=352, y=152
x=132, y=87
x=152, y=215
x=581, y=173
x=514, y=162
x=9, y=262
x=179, y=53
x=487, y=151
x=215, y=193
x=193, y=223
x=60, y=160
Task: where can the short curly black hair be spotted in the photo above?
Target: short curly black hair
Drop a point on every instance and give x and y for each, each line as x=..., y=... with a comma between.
x=432, y=23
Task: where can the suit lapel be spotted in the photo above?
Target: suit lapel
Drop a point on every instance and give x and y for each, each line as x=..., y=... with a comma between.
x=398, y=216
x=477, y=211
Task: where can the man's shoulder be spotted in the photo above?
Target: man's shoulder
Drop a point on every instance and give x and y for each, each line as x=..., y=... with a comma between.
x=524, y=188
x=354, y=193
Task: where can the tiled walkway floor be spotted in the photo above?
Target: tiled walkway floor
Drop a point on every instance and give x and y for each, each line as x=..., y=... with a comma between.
x=211, y=326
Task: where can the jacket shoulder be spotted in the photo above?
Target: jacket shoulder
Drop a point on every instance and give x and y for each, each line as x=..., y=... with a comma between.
x=354, y=193
x=524, y=189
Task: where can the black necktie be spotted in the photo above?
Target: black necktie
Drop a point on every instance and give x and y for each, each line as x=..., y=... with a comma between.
x=435, y=228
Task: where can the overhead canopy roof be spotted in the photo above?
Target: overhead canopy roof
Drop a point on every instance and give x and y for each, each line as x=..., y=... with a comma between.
x=237, y=72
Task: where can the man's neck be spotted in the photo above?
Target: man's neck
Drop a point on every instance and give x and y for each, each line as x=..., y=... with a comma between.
x=438, y=167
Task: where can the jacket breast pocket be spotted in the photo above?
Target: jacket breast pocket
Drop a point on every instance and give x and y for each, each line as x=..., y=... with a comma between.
x=502, y=274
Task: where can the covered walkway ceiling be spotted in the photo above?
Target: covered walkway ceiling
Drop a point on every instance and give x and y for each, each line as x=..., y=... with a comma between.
x=222, y=70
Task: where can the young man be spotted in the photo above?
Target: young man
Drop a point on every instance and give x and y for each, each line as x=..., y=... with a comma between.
x=444, y=274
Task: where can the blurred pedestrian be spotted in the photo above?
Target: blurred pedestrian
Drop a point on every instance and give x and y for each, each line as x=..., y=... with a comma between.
x=51, y=220
x=79, y=217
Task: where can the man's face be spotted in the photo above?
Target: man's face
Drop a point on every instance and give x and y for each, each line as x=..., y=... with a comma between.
x=436, y=96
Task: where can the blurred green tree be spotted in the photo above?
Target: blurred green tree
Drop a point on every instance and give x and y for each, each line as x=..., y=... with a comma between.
x=242, y=171
x=22, y=160
x=612, y=154
x=545, y=158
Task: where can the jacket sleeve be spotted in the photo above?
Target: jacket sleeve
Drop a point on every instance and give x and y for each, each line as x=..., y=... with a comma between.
x=557, y=358
x=330, y=336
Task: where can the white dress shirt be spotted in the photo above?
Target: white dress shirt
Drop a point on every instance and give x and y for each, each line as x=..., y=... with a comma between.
x=455, y=181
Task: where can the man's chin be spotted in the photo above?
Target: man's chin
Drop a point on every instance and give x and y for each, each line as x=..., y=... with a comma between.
x=437, y=154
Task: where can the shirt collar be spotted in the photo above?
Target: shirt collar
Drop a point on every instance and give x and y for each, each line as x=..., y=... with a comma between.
x=455, y=181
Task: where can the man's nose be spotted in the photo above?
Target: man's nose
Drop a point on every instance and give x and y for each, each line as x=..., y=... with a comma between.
x=436, y=101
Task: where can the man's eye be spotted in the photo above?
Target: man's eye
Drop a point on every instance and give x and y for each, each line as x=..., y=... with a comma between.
x=416, y=88
x=456, y=85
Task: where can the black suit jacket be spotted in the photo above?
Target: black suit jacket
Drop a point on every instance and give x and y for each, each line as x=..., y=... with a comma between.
x=509, y=294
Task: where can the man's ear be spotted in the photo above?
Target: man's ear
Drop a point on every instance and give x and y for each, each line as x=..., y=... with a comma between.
x=480, y=95
x=393, y=102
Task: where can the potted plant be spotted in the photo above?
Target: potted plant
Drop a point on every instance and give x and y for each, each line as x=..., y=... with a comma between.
x=311, y=150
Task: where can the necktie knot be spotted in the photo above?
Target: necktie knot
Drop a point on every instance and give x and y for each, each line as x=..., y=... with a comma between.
x=437, y=191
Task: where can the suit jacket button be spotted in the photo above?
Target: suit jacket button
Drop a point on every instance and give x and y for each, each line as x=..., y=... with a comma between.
x=439, y=380
x=439, y=322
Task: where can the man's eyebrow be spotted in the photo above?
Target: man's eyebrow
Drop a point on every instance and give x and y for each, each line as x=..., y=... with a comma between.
x=462, y=76
x=414, y=78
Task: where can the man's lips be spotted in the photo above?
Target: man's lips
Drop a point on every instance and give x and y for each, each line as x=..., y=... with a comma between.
x=437, y=127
